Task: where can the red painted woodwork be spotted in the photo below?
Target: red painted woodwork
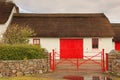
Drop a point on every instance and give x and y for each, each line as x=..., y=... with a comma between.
x=71, y=48
x=77, y=62
x=117, y=46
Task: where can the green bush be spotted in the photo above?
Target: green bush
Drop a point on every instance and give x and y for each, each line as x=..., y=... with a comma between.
x=21, y=52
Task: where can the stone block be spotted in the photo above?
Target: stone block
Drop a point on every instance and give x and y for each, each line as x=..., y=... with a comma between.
x=23, y=67
x=40, y=71
x=118, y=56
x=1, y=75
x=14, y=71
x=19, y=74
x=112, y=56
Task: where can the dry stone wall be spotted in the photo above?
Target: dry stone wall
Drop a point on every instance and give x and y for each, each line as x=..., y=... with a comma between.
x=23, y=67
x=114, y=62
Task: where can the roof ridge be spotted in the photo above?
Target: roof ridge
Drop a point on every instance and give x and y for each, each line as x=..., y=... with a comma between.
x=115, y=23
x=59, y=14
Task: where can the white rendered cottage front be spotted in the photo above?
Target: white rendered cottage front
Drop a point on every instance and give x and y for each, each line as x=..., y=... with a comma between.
x=86, y=45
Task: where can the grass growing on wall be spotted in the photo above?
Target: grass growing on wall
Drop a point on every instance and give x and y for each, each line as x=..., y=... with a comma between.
x=21, y=52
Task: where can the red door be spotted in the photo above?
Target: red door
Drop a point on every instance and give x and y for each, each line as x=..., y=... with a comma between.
x=71, y=48
x=117, y=46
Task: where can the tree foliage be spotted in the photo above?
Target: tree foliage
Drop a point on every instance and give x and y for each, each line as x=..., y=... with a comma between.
x=16, y=34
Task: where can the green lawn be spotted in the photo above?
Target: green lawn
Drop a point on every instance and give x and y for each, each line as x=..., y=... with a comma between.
x=26, y=78
x=117, y=79
x=33, y=78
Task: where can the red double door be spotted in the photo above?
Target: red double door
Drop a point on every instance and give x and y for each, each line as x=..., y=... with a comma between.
x=71, y=48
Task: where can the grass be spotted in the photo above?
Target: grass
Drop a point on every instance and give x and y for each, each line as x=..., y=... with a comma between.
x=26, y=78
x=117, y=79
x=33, y=78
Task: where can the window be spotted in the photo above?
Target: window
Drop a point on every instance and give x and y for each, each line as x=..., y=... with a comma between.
x=95, y=43
x=36, y=41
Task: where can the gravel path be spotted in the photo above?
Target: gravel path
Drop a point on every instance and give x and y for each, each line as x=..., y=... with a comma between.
x=87, y=71
x=73, y=74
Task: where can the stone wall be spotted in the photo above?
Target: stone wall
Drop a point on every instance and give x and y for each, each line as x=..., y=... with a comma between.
x=23, y=67
x=114, y=62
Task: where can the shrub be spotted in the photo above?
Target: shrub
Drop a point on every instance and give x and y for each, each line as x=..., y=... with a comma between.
x=21, y=52
x=16, y=34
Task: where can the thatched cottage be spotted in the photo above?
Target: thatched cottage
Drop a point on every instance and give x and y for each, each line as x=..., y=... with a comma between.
x=71, y=35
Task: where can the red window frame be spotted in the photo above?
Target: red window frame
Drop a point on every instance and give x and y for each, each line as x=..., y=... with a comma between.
x=36, y=41
x=95, y=43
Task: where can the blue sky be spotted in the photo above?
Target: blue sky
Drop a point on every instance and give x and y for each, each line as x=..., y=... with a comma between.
x=111, y=8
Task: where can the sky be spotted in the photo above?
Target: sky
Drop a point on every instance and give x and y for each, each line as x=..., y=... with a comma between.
x=111, y=8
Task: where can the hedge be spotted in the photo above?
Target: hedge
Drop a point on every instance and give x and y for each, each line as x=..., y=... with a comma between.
x=21, y=52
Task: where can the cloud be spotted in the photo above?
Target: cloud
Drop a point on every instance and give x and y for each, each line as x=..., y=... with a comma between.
x=57, y=5
x=110, y=7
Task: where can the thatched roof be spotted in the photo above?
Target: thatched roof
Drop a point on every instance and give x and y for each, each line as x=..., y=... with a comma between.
x=66, y=25
x=5, y=11
x=116, y=28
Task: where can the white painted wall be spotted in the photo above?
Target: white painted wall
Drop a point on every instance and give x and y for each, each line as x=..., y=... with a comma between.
x=3, y=27
x=30, y=40
x=49, y=44
x=54, y=43
x=113, y=44
x=107, y=44
x=104, y=43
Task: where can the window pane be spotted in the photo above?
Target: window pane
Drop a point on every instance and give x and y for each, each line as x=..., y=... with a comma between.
x=36, y=41
x=95, y=43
